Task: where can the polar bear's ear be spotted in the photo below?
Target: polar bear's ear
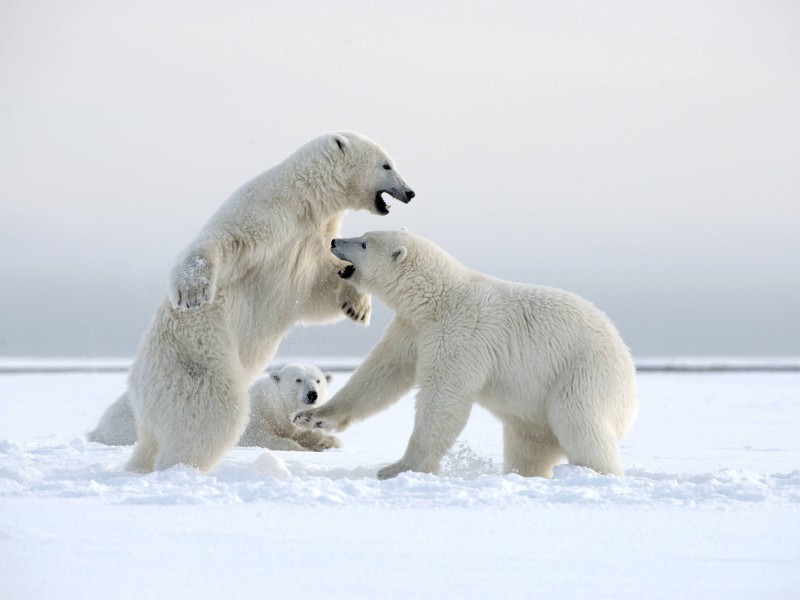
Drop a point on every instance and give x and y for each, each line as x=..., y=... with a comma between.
x=340, y=141
x=399, y=254
x=328, y=376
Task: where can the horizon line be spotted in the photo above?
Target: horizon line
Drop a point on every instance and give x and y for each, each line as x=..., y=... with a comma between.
x=688, y=364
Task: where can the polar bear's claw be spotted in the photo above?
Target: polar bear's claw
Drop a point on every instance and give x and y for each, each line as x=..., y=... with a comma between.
x=302, y=419
x=359, y=314
x=308, y=419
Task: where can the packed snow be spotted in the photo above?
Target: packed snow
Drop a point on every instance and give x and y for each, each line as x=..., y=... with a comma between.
x=709, y=506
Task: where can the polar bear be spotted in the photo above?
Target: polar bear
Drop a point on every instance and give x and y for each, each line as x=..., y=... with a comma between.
x=273, y=399
x=546, y=362
x=117, y=426
x=259, y=266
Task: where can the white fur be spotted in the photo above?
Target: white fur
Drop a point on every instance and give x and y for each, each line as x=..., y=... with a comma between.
x=117, y=426
x=273, y=399
x=260, y=265
x=546, y=362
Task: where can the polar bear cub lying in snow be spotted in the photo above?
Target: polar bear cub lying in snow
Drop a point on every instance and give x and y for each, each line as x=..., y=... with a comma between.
x=546, y=362
x=273, y=399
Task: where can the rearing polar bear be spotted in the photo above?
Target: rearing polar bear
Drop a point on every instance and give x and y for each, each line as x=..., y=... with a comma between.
x=259, y=266
x=547, y=363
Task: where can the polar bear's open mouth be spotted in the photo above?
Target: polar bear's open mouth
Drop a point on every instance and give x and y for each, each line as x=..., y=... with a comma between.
x=347, y=272
x=403, y=194
x=380, y=204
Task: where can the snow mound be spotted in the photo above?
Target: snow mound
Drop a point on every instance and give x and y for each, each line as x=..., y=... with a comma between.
x=78, y=469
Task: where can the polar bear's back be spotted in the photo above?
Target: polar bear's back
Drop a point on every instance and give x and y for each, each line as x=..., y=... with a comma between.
x=265, y=391
x=549, y=341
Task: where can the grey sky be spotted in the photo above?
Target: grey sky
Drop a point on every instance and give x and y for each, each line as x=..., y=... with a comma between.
x=645, y=155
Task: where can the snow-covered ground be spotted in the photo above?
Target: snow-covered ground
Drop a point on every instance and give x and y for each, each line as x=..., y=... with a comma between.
x=709, y=507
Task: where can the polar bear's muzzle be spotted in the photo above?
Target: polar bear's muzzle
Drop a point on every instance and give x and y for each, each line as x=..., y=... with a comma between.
x=346, y=272
x=404, y=195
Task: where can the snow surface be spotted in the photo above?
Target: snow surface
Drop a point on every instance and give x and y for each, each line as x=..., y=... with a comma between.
x=709, y=506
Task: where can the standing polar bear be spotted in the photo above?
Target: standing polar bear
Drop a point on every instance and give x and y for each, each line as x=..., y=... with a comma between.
x=547, y=363
x=259, y=266
x=274, y=398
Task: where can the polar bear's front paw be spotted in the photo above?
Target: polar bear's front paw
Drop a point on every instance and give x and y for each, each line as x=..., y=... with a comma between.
x=358, y=307
x=326, y=442
x=393, y=470
x=316, y=440
x=192, y=296
x=308, y=419
x=313, y=419
x=192, y=284
x=402, y=466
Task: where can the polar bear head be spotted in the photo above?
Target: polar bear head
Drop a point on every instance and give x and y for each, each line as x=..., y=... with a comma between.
x=362, y=169
x=301, y=386
x=396, y=266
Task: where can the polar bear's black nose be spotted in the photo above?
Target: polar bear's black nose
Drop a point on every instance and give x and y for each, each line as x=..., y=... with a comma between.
x=312, y=396
x=409, y=195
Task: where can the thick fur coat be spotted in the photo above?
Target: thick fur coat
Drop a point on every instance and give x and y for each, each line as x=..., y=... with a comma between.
x=261, y=265
x=273, y=401
x=546, y=362
x=274, y=398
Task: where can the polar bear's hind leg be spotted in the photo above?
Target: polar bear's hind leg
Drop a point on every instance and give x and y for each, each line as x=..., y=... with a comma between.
x=144, y=452
x=529, y=450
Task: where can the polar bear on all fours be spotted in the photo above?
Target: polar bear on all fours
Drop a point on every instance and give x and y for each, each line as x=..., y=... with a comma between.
x=546, y=362
x=274, y=398
x=260, y=265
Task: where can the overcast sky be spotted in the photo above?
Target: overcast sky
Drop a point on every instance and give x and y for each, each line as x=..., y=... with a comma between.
x=645, y=155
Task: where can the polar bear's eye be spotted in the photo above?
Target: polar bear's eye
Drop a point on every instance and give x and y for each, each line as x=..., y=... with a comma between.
x=387, y=167
x=298, y=381
x=364, y=245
